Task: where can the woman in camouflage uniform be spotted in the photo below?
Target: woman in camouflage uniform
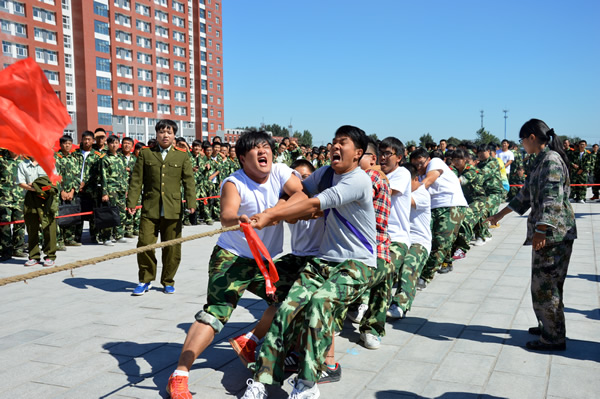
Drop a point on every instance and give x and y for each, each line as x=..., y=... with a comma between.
x=550, y=229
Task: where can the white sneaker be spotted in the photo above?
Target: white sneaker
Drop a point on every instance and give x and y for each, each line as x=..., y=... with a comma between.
x=356, y=316
x=394, y=312
x=581, y=202
x=122, y=240
x=370, y=341
x=109, y=243
x=487, y=239
x=255, y=390
x=479, y=242
x=302, y=391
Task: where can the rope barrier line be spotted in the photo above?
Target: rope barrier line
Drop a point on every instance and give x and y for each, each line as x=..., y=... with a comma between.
x=114, y=255
x=204, y=199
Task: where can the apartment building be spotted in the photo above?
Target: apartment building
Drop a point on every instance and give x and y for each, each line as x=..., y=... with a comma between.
x=124, y=64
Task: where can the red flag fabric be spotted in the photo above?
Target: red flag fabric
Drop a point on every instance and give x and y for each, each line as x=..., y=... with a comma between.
x=257, y=247
x=32, y=117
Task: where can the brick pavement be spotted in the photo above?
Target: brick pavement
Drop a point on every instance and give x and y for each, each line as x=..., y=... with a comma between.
x=85, y=336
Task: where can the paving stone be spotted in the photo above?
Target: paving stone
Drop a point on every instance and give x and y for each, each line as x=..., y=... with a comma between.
x=466, y=368
x=573, y=382
x=516, y=385
x=528, y=363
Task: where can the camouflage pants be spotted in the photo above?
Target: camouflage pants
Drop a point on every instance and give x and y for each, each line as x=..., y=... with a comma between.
x=132, y=222
x=488, y=207
x=115, y=199
x=411, y=270
x=578, y=193
x=548, y=272
x=445, y=223
x=214, y=203
x=323, y=290
x=380, y=294
x=229, y=276
x=12, y=237
x=465, y=234
x=596, y=189
x=398, y=252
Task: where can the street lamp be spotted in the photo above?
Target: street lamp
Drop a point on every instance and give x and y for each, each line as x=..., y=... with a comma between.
x=505, y=117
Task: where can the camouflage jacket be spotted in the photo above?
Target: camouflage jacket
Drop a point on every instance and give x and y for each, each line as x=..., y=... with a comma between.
x=68, y=168
x=11, y=195
x=471, y=182
x=517, y=162
x=129, y=163
x=492, y=180
x=580, y=161
x=91, y=170
x=546, y=192
x=114, y=176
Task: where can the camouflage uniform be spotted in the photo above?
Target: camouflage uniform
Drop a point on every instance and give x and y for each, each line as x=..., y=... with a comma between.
x=11, y=207
x=132, y=222
x=67, y=168
x=494, y=193
x=596, y=189
x=213, y=188
x=413, y=264
x=203, y=189
x=114, y=181
x=90, y=194
x=322, y=288
x=471, y=182
x=581, y=166
x=546, y=192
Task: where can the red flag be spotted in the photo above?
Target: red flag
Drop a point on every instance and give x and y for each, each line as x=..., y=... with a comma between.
x=32, y=117
x=258, y=249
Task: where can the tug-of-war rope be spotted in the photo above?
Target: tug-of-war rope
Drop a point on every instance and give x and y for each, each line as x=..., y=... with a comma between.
x=114, y=255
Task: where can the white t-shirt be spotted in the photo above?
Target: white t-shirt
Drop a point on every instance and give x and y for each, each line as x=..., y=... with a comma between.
x=506, y=156
x=445, y=190
x=420, y=218
x=398, y=222
x=307, y=236
x=255, y=198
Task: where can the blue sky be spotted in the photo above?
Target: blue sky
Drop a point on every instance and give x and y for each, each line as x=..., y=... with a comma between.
x=405, y=68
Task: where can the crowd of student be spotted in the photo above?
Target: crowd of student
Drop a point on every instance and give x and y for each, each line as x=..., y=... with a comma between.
x=95, y=173
x=364, y=216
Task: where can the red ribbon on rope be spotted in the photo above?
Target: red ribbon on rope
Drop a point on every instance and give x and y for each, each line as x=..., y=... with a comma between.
x=258, y=248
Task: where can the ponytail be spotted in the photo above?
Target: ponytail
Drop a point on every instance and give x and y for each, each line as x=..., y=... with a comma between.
x=555, y=145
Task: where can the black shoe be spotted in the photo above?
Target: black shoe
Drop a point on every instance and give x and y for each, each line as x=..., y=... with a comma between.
x=329, y=375
x=5, y=257
x=542, y=346
x=421, y=284
x=535, y=331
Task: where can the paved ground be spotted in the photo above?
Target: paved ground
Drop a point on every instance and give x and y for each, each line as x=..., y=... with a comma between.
x=84, y=335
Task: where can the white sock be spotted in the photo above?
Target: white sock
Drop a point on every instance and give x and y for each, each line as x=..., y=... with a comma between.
x=252, y=337
x=180, y=373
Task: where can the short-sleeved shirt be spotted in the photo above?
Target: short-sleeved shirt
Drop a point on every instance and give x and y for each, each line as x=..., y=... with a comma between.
x=506, y=156
x=445, y=191
x=256, y=198
x=27, y=172
x=351, y=195
x=307, y=236
x=399, y=224
x=420, y=218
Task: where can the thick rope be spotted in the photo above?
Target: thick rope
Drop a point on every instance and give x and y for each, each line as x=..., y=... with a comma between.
x=114, y=255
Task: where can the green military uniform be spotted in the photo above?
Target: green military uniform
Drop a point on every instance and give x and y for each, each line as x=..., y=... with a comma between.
x=494, y=193
x=113, y=183
x=12, y=241
x=160, y=180
x=471, y=182
x=89, y=196
x=67, y=167
x=132, y=222
x=214, y=188
x=596, y=189
x=203, y=187
x=546, y=192
x=581, y=166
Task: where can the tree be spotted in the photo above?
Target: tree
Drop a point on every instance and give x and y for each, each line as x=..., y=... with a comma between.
x=411, y=142
x=425, y=139
x=485, y=137
x=453, y=141
x=306, y=139
x=374, y=137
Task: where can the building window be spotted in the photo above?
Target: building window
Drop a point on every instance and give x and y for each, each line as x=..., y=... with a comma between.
x=69, y=80
x=102, y=64
x=70, y=99
x=144, y=74
x=100, y=9
x=103, y=83
x=102, y=46
x=68, y=61
x=121, y=19
x=67, y=41
x=218, y=87
x=142, y=9
x=104, y=119
x=52, y=77
x=104, y=101
x=145, y=91
x=101, y=27
x=66, y=22
x=218, y=73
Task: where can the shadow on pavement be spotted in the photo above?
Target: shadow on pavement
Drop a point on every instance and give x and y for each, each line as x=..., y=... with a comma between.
x=104, y=284
x=590, y=314
x=591, y=277
x=576, y=349
x=448, y=395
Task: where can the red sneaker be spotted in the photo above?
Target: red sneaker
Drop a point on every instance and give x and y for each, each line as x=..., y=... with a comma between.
x=177, y=387
x=245, y=348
